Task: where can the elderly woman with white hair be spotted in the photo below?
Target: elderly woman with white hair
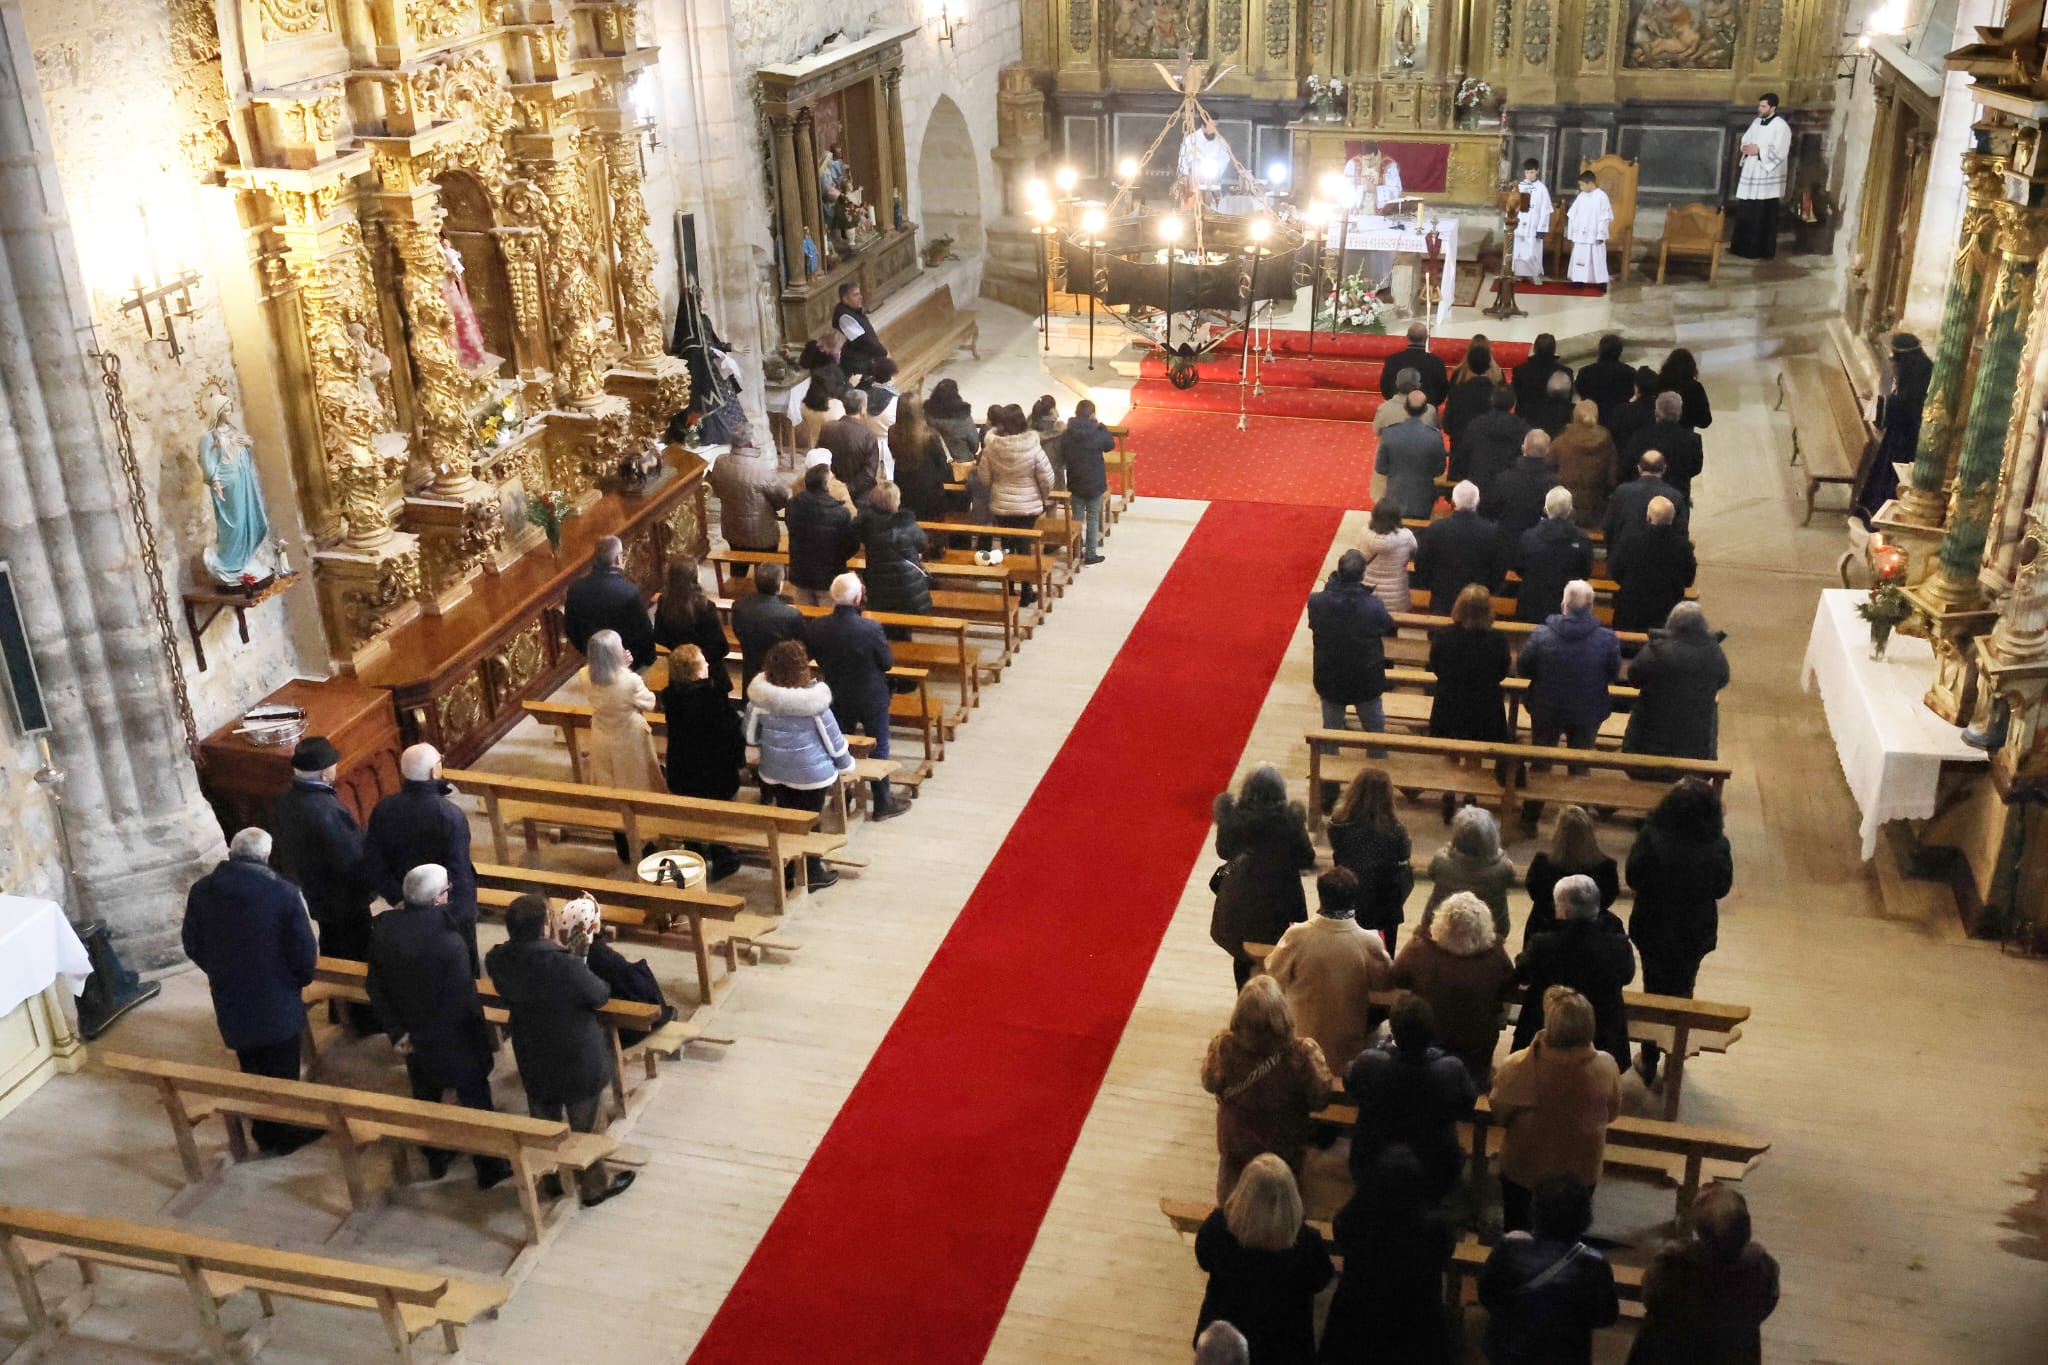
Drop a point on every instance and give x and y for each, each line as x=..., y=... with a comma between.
x=1588, y=950
x=1263, y=840
x=1456, y=963
x=1681, y=672
x=621, y=742
x=1472, y=863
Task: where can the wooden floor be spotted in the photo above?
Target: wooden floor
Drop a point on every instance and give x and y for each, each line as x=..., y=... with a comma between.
x=1899, y=1069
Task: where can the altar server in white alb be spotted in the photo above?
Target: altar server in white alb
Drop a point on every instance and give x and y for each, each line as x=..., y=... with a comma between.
x=1532, y=224
x=1766, y=151
x=1585, y=227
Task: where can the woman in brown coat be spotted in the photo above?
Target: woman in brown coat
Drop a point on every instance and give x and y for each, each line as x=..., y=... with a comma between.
x=1583, y=455
x=1554, y=1100
x=1456, y=963
x=1266, y=1080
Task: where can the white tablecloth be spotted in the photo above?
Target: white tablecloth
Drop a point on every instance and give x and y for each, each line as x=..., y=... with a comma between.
x=1890, y=745
x=1383, y=234
x=37, y=947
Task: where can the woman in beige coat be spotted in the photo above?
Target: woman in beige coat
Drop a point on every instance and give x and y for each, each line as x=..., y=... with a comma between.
x=621, y=744
x=1554, y=1100
x=1329, y=967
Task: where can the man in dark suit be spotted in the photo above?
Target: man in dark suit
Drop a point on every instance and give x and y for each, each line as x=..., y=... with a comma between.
x=1628, y=509
x=1458, y=549
x=418, y=824
x=318, y=847
x=1492, y=443
x=1410, y=458
x=424, y=989
x=1436, y=380
x=608, y=600
x=1531, y=378
x=1549, y=555
x=821, y=535
x=1514, y=501
x=854, y=655
x=1678, y=443
x=1652, y=568
x=1631, y=417
x=856, y=451
x=1608, y=381
x=1587, y=952
x=763, y=619
x=565, y=1060
x=246, y=928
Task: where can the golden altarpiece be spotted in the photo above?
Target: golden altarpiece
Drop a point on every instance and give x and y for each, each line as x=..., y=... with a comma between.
x=404, y=163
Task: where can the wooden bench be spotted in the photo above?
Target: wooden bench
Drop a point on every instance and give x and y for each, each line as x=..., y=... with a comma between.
x=1506, y=774
x=785, y=837
x=1122, y=466
x=1030, y=565
x=1829, y=431
x=356, y=1121
x=954, y=592
x=702, y=921
x=1405, y=705
x=215, y=1270
x=1410, y=642
x=927, y=334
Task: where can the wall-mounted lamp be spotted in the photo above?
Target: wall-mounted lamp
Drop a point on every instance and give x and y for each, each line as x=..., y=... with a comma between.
x=646, y=109
x=170, y=297
x=944, y=16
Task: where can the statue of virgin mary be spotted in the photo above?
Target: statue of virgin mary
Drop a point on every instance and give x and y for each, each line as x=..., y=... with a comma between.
x=241, y=530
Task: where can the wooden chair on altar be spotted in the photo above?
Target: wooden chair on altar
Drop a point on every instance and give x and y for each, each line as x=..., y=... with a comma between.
x=1693, y=230
x=1617, y=176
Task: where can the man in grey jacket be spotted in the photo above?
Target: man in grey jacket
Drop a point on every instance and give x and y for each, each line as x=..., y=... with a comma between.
x=751, y=495
x=1411, y=456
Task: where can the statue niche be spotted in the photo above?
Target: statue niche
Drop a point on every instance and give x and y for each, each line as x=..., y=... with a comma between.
x=467, y=228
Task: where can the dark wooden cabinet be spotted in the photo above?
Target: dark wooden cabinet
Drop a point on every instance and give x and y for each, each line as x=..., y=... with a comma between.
x=242, y=780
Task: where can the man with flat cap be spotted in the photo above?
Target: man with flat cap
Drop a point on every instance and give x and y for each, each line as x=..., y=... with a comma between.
x=318, y=846
x=424, y=990
x=418, y=824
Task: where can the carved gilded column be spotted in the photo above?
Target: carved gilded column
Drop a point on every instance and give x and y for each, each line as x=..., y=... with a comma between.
x=1870, y=217
x=1924, y=498
x=807, y=181
x=789, y=209
x=640, y=322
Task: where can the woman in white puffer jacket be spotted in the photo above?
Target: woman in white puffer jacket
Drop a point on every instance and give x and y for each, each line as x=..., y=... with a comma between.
x=1019, y=476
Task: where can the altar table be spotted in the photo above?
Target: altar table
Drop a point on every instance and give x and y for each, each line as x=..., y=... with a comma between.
x=1369, y=233
x=1890, y=745
x=39, y=956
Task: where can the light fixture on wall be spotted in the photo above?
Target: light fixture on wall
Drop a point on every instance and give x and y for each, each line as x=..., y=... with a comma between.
x=944, y=16
x=646, y=101
x=162, y=299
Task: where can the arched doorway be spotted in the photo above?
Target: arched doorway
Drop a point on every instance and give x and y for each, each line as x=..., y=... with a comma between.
x=949, y=181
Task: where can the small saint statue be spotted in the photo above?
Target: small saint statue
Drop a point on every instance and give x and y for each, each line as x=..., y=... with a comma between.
x=896, y=208
x=373, y=371
x=810, y=256
x=465, y=335
x=241, y=530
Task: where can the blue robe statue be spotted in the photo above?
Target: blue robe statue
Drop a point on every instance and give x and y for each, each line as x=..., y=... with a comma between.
x=810, y=256
x=241, y=530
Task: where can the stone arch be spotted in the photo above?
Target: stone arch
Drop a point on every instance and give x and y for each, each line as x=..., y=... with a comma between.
x=949, y=180
x=468, y=226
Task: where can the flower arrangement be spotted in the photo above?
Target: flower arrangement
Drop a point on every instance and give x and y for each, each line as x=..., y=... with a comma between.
x=548, y=511
x=1886, y=606
x=1474, y=93
x=499, y=423
x=1323, y=94
x=1356, y=306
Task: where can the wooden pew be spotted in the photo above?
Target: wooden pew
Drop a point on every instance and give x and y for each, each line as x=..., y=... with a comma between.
x=1032, y=565
x=927, y=334
x=784, y=836
x=953, y=590
x=1403, y=682
x=357, y=1120
x=703, y=920
x=1122, y=464
x=1829, y=431
x=343, y=979
x=1410, y=641
x=1506, y=774
x=215, y=1270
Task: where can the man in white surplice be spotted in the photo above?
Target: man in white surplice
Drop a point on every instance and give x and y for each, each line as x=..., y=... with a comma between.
x=1531, y=225
x=1585, y=227
x=1205, y=162
x=1766, y=150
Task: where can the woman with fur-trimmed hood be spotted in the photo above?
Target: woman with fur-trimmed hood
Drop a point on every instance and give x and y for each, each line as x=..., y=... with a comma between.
x=1456, y=963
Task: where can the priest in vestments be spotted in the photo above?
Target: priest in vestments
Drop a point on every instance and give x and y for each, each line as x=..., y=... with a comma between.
x=1766, y=151
x=1585, y=227
x=1530, y=226
x=1205, y=162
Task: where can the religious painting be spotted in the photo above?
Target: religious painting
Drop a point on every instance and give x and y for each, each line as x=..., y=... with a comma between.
x=1159, y=29
x=1681, y=35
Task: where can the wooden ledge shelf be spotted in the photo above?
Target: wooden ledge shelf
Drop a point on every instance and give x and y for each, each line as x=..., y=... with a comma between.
x=203, y=607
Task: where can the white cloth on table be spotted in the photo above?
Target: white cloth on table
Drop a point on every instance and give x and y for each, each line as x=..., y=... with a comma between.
x=1381, y=234
x=1890, y=745
x=37, y=947
x=1529, y=229
x=1763, y=175
x=1585, y=226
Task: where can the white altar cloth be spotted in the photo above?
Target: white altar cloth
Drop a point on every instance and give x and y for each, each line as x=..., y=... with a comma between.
x=1890, y=745
x=1385, y=234
x=37, y=947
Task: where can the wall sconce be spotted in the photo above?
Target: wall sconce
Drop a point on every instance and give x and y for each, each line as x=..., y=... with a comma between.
x=171, y=297
x=944, y=16
x=646, y=106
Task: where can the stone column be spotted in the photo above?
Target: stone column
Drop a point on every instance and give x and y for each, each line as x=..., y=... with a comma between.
x=807, y=182
x=140, y=832
x=885, y=144
x=1924, y=499
x=899, y=161
x=789, y=209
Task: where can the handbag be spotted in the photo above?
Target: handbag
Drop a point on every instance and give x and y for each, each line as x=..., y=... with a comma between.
x=1221, y=931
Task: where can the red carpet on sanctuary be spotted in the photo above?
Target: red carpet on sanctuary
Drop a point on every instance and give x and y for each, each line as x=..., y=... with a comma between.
x=1313, y=463
x=908, y=1228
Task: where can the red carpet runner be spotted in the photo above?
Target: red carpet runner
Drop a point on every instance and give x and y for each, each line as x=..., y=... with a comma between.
x=1275, y=459
x=907, y=1230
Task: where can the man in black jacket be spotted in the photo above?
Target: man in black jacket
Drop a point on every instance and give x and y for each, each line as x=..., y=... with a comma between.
x=856, y=450
x=1082, y=448
x=1631, y=417
x=1550, y=554
x=1652, y=568
x=1629, y=507
x=418, y=824
x=1589, y=952
x=1531, y=378
x=855, y=657
x=1492, y=442
x=1609, y=381
x=565, y=1060
x=423, y=987
x=318, y=847
x=1514, y=501
x=1678, y=443
x=1436, y=380
x=1413, y=1094
x=763, y=619
x=608, y=600
x=1349, y=626
x=1458, y=549
x=821, y=535
x=245, y=927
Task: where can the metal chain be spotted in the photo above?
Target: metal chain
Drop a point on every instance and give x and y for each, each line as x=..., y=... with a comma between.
x=152, y=565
